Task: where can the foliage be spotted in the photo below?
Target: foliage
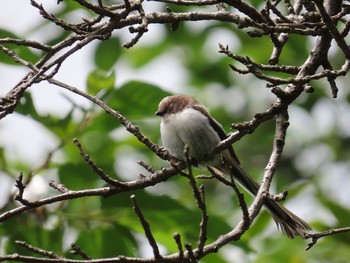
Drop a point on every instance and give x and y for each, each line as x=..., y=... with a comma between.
x=107, y=226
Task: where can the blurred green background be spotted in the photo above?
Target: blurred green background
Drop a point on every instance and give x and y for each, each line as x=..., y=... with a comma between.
x=37, y=140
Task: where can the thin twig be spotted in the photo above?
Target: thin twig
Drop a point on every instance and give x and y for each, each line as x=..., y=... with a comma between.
x=278, y=144
x=191, y=255
x=157, y=177
x=242, y=203
x=333, y=29
x=148, y=167
x=94, y=167
x=316, y=236
x=76, y=250
x=241, y=200
x=26, y=42
x=177, y=238
x=36, y=250
x=146, y=227
x=141, y=29
x=12, y=54
x=59, y=187
x=61, y=23
x=248, y=62
x=199, y=196
x=20, y=186
x=189, y=2
x=203, y=232
x=161, y=152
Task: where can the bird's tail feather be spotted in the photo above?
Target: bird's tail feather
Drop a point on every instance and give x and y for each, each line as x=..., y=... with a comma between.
x=289, y=223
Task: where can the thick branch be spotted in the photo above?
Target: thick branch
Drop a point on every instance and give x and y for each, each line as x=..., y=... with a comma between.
x=278, y=144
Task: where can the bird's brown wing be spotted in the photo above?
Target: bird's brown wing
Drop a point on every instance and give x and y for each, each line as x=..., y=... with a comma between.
x=218, y=128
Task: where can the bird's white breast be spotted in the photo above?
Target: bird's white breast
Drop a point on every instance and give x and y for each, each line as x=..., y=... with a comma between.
x=189, y=127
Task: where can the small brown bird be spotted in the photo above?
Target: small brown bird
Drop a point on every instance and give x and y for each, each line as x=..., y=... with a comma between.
x=184, y=121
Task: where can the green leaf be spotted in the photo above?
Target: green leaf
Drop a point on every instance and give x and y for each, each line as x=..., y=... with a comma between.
x=278, y=249
x=140, y=56
x=21, y=51
x=340, y=212
x=98, y=80
x=107, y=241
x=137, y=99
x=107, y=53
x=213, y=257
x=58, y=38
x=167, y=217
x=31, y=230
x=57, y=125
x=77, y=176
x=26, y=106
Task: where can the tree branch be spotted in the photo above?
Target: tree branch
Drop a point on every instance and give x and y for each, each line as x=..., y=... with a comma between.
x=157, y=177
x=130, y=14
x=96, y=169
x=38, y=251
x=278, y=144
x=316, y=236
x=146, y=227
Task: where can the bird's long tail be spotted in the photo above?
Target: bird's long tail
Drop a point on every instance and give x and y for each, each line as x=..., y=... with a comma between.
x=289, y=223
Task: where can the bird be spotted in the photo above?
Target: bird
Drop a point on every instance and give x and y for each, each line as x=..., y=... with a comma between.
x=185, y=121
